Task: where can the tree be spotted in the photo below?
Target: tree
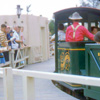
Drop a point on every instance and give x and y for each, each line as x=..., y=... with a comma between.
x=52, y=27
x=90, y=3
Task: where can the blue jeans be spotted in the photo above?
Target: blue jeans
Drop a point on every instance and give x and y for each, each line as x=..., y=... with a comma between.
x=2, y=59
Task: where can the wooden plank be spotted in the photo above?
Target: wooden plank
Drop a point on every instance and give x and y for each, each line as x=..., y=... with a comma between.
x=92, y=81
x=20, y=67
x=7, y=63
x=21, y=59
x=28, y=88
x=1, y=73
x=8, y=84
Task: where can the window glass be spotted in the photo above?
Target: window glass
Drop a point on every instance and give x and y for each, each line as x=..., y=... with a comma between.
x=86, y=25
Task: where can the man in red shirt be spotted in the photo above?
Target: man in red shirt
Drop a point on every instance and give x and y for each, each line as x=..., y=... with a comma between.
x=77, y=32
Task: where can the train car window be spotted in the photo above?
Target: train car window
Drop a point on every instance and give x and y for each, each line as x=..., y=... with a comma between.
x=65, y=26
x=80, y=23
x=86, y=25
x=93, y=24
x=99, y=24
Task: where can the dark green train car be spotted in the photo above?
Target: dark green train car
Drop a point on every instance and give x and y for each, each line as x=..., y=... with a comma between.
x=68, y=54
x=92, y=65
x=70, y=57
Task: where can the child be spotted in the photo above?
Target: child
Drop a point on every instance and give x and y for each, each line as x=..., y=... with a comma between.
x=14, y=45
x=2, y=58
x=97, y=37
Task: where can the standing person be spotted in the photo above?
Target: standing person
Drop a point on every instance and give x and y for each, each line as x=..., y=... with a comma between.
x=22, y=37
x=4, y=42
x=14, y=45
x=77, y=32
x=8, y=35
x=16, y=34
x=3, y=38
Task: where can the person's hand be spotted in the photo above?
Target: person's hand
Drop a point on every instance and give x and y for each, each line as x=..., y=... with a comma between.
x=1, y=51
x=21, y=41
x=9, y=49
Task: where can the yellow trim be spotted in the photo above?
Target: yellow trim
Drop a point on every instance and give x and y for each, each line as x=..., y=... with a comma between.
x=72, y=49
x=74, y=85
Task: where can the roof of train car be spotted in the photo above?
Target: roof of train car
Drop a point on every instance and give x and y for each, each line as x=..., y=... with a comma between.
x=87, y=13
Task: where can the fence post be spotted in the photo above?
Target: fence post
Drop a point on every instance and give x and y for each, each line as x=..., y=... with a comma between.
x=8, y=84
x=28, y=88
x=12, y=59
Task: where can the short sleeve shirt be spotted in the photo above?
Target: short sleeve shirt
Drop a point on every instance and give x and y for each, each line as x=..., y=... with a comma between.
x=15, y=35
x=61, y=35
x=3, y=39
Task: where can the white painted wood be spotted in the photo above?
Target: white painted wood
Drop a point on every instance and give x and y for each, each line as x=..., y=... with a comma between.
x=1, y=74
x=92, y=81
x=12, y=62
x=12, y=52
x=6, y=64
x=28, y=88
x=28, y=81
x=8, y=84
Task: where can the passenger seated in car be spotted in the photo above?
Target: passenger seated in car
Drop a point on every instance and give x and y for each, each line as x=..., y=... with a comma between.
x=97, y=37
x=94, y=30
x=61, y=33
x=77, y=32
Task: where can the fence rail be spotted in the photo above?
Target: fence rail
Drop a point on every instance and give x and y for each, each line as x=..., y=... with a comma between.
x=28, y=81
x=17, y=58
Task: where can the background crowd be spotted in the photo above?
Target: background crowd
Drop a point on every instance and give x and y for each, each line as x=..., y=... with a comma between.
x=10, y=38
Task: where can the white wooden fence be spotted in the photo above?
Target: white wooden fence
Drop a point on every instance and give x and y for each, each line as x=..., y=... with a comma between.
x=16, y=56
x=28, y=81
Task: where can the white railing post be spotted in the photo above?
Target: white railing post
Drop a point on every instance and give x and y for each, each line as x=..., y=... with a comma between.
x=8, y=84
x=12, y=59
x=28, y=88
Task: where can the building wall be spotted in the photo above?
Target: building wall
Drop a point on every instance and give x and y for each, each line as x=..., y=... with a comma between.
x=36, y=34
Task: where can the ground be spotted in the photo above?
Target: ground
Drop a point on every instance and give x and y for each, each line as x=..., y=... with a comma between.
x=44, y=89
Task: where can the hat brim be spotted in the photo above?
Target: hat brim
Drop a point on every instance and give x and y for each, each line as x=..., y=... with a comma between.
x=75, y=18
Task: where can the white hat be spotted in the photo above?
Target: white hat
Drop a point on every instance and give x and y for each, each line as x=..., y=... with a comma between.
x=75, y=16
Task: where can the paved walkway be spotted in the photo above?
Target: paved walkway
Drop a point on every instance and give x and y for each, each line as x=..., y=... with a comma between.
x=45, y=90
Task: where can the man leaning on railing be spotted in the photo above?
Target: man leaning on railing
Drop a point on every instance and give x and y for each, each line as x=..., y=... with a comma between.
x=3, y=42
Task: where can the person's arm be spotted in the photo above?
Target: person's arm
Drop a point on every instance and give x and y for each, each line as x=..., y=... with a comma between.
x=88, y=34
x=19, y=41
x=9, y=41
x=53, y=38
x=16, y=36
x=12, y=39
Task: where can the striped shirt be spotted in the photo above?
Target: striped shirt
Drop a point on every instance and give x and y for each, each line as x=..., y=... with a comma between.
x=3, y=39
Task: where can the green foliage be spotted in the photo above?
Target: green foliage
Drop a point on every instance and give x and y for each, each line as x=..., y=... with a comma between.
x=52, y=27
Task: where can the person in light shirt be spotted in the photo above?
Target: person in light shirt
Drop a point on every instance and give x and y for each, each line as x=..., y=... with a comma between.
x=14, y=45
x=61, y=33
x=16, y=34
